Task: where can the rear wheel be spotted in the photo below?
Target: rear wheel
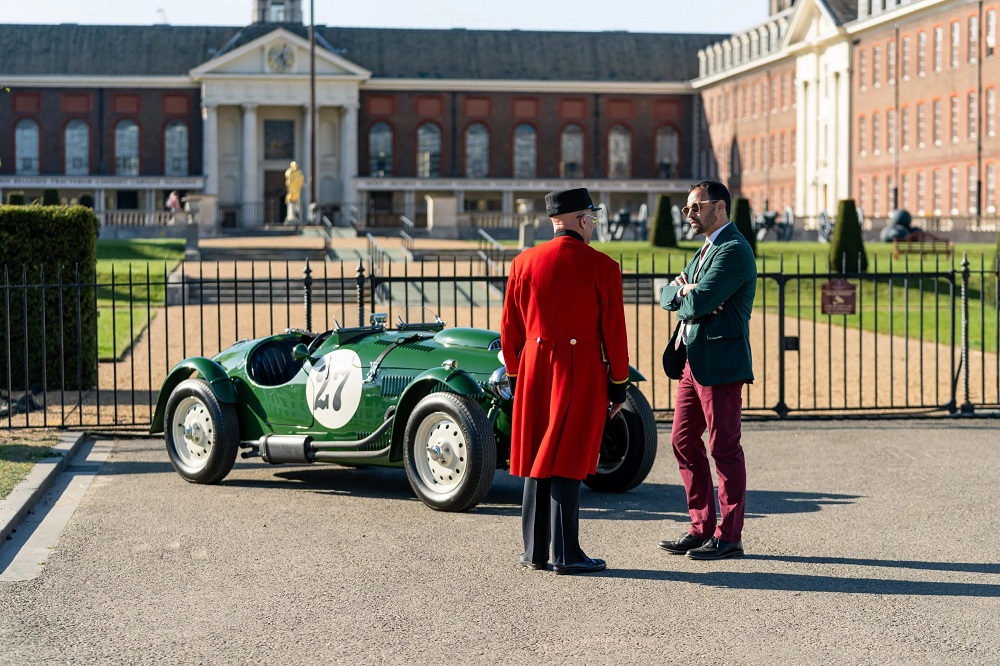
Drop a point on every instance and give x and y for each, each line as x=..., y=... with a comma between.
x=449, y=452
x=202, y=434
x=628, y=447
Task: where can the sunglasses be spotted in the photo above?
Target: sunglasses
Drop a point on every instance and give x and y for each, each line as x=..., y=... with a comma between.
x=582, y=214
x=695, y=206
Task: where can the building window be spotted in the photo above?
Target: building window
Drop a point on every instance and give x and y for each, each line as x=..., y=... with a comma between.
x=380, y=150
x=972, y=115
x=784, y=90
x=890, y=73
x=973, y=38
x=904, y=126
x=175, y=149
x=920, y=125
x=127, y=148
x=428, y=151
x=954, y=118
x=876, y=66
x=525, y=151
x=953, y=191
x=26, y=147
x=876, y=133
x=956, y=39
x=668, y=152
x=862, y=194
x=784, y=148
x=791, y=143
x=906, y=57
x=862, y=135
x=938, y=48
x=921, y=53
x=279, y=139
x=773, y=157
x=936, y=129
x=904, y=191
x=77, y=147
x=876, y=197
x=619, y=152
x=276, y=12
x=920, y=192
x=991, y=188
x=571, y=150
x=972, y=189
x=991, y=32
x=991, y=112
x=477, y=151
x=890, y=128
x=862, y=68
x=937, y=191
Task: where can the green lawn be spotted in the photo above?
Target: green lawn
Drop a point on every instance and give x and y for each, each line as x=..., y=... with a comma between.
x=18, y=455
x=890, y=298
x=130, y=272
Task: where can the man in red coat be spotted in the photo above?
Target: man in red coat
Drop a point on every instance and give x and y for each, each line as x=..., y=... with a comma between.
x=566, y=353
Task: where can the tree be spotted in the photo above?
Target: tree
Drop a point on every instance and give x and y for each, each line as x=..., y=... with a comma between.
x=743, y=222
x=664, y=234
x=847, y=247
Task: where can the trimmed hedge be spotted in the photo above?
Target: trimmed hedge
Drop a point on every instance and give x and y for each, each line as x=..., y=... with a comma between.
x=36, y=244
x=663, y=234
x=847, y=247
x=743, y=221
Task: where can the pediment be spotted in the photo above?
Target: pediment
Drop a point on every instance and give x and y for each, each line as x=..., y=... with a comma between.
x=279, y=53
x=811, y=22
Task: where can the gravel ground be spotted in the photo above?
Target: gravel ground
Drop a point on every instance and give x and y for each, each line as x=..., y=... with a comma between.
x=865, y=544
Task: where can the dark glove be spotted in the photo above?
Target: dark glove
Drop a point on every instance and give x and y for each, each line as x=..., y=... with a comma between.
x=512, y=381
x=616, y=392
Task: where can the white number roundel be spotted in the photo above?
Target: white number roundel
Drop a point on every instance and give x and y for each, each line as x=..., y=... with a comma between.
x=334, y=388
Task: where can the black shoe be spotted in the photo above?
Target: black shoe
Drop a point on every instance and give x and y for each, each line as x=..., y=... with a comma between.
x=589, y=565
x=528, y=564
x=716, y=549
x=684, y=544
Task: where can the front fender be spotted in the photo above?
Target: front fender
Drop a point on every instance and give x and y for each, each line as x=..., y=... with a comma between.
x=210, y=371
x=634, y=375
x=457, y=381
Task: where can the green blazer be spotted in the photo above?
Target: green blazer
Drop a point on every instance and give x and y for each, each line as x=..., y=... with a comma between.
x=718, y=348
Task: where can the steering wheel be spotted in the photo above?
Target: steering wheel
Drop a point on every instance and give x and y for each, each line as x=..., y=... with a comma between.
x=317, y=341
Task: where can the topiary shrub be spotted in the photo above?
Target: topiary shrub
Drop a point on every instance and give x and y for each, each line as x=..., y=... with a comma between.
x=663, y=234
x=50, y=198
x=743, y=221
x=847, y=247
x=56, y=325
x=15, y=198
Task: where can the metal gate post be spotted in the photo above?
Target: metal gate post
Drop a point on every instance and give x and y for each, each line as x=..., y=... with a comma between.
x=967, y=409
x=781, y=408
x=307, y=295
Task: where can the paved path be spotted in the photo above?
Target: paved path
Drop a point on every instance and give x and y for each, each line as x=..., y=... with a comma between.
x=868, y=543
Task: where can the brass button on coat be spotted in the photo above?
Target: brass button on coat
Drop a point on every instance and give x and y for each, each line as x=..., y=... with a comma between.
x=539, y=341
x=572, y=341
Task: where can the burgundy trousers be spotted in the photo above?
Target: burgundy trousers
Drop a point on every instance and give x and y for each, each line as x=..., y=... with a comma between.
x=717, y=409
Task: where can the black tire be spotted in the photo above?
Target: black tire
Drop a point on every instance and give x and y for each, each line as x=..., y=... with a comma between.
x=449, y=452
x=628, y=447
x=202, y=434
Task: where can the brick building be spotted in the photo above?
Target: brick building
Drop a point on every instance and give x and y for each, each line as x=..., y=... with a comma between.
x=884, y=101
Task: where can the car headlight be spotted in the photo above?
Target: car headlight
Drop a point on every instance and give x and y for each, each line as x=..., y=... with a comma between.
x=499, y=383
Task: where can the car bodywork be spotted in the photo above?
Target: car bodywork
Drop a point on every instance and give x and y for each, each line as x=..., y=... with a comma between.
x=435, y=401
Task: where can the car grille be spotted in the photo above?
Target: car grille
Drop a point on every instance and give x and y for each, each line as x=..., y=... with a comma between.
x=395, y=384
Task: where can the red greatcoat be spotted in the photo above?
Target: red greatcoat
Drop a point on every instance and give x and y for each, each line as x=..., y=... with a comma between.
x=563, y=338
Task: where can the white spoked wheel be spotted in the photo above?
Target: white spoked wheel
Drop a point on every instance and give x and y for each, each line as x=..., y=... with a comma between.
x=202, y=434
x=449, y=452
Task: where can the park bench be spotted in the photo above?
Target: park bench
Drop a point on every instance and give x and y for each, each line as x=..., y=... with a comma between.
x=921, y=242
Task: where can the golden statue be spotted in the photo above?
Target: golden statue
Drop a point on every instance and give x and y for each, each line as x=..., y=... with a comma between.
x=293, y=183
x=293, y=186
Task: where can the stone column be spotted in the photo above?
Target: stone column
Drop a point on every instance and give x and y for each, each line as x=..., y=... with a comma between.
x=210, y=147
x=251, y=174
x=349, y=150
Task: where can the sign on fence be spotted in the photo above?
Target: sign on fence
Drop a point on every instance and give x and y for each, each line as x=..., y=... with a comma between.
x=838, y=297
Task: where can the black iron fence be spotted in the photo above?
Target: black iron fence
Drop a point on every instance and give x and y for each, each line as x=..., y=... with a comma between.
x=917, y=342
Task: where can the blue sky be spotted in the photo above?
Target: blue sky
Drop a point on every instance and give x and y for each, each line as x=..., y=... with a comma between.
x=724, y=16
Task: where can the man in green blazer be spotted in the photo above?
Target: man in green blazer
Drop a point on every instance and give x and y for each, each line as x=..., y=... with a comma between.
x=709, y=355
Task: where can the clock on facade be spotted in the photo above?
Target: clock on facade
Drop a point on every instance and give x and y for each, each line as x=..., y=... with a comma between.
x=280, y=57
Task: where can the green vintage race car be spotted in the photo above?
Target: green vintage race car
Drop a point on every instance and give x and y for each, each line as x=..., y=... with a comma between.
x=432, y=400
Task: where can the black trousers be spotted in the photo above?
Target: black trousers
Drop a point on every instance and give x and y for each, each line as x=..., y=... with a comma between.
x=550, y=513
